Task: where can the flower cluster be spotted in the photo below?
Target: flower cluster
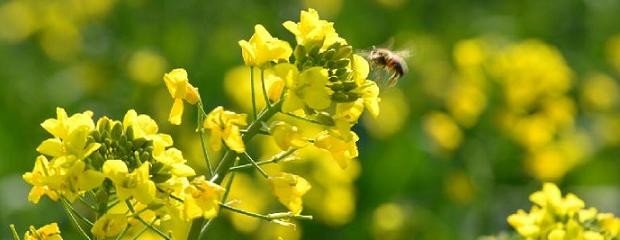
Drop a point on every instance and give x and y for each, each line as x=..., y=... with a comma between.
x=131, y=177
x=555, y=217
x=118, y=168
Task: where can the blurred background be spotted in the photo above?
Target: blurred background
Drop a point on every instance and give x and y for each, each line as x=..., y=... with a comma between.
x=501, y=96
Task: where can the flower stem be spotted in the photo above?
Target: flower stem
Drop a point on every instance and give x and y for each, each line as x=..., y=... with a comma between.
x=201, y=133
x=253, y=93
x=275, y=159
x=230, y=156
x=262, y=79
x=14, y=232
x=249, y=158
x=74, y=221
x=268, y=217
x=133, y=211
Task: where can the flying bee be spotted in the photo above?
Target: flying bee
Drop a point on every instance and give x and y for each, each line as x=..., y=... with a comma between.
x=392, y=62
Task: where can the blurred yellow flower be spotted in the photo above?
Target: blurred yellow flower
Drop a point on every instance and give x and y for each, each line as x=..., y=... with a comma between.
x=393, y=117
x=47, y=232
x=180, y=89
x=225, y=126
x=289, y=189
x=18, y=20
x=599, y=92
x=443, y=130
x=342, y=148
x=263, y=48
x=202, y=199
x=613, y=52
x=146, y=66
x=136, y=184
x=109, y=225
x=287, y=135
x=311, y=30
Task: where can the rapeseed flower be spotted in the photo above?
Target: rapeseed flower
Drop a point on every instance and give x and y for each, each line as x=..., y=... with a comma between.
x=289, y=189
x=263, y=48
x=225, y=126
x=180, y=89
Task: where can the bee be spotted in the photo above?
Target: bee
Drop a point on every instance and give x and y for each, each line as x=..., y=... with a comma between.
x=392, y=62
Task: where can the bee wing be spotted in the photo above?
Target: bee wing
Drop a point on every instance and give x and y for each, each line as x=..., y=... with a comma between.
x=405, y=54
x=363, y=52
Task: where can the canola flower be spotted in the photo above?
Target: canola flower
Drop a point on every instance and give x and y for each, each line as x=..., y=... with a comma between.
x=131, y=177
x=557, y=217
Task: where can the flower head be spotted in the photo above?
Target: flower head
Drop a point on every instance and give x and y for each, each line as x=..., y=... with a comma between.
x=47, y=232
x=202, y=199
x=180, y=89
x=311, y=30
x=286, y=135
x=289, y=188
x=308, y=88
x=109, y=225
x=342, y=147
x=263, y=48
x=136, y=184
x=225, y=126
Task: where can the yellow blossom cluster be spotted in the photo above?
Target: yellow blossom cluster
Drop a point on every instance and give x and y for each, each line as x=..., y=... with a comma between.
x=131, y=177
x=126, y=164
x=555, y=217
x=535, y=108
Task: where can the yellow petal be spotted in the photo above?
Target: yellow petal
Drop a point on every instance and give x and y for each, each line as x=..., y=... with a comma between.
x=176, y=113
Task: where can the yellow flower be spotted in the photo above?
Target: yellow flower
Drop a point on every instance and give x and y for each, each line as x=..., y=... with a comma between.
x=71, y=135
x=145, y=127
x=263, y=48
x=47, y=232
x=136, y=184
x=370, y=94
x=180, y=89
x=173, y=158
x=109, y=225
x=311, y=30
x=443, y=130
x=225, y=126
x=202, y=199
x=37, y=178
x=286, y=135
x=307, y=88
x=78, y=179
x=341, y=147
x=289, y=188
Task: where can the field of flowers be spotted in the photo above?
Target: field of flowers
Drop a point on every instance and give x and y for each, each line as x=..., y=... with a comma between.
x=311, y=119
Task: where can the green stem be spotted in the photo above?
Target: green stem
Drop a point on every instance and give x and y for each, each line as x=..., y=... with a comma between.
x=230, y=156
x=249, y=158
x=253, y=94
x=268, y=217
x=74, y=221
x=14, y=232
x=262, y=79
x=133, y=211
x=200, y=129
x=306, y=119
x=275, y=159
x=251, y=131
x=90, y=224
x=204, y=228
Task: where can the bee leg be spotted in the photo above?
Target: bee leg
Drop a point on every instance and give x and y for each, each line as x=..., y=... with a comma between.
x=393, y=80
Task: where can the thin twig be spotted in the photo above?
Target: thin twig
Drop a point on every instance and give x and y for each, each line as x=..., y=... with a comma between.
x=200, y=129
x=275, y=159
x=262, y=79
x=253, y=94
x=74, y=221
x=249, y=158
